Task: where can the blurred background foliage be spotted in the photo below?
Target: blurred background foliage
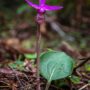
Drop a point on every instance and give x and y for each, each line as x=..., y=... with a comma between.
x=17, y=7
x=74, y=19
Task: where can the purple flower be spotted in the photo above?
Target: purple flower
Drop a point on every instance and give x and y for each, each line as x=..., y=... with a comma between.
x=42, y=7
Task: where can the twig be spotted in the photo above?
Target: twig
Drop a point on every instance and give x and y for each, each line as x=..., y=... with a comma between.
x=82, y=63
x=8, y=85
x=8, y=71
x=17, y=78
x=4, y=86
x=83, y=87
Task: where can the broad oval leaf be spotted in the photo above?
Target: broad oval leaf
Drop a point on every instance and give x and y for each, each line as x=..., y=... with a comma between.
x=55, y=65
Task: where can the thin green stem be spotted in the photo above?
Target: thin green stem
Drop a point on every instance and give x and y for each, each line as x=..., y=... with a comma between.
x=47, y=85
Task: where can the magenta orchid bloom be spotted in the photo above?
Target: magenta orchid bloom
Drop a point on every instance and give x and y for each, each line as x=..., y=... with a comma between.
x=42, y=7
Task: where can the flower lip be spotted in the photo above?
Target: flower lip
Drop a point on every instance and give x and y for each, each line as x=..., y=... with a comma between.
x=41, y=10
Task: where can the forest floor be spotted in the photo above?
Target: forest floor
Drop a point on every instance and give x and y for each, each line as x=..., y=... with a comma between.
x=17, y=57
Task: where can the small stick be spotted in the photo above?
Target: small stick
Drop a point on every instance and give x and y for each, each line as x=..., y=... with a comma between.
x=9, y=72
x=83, y=87
x=82, y=63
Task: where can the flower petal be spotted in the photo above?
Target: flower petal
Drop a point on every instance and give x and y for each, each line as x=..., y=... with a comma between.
x=50, y=8
x=32, y=4
x=42, y=2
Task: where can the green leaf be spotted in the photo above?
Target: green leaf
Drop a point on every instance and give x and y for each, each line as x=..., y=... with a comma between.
x=31, y=56
x=75, y=79
x=87, y=67
x=17, y=65
x=23, y=8
x=55, y=65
